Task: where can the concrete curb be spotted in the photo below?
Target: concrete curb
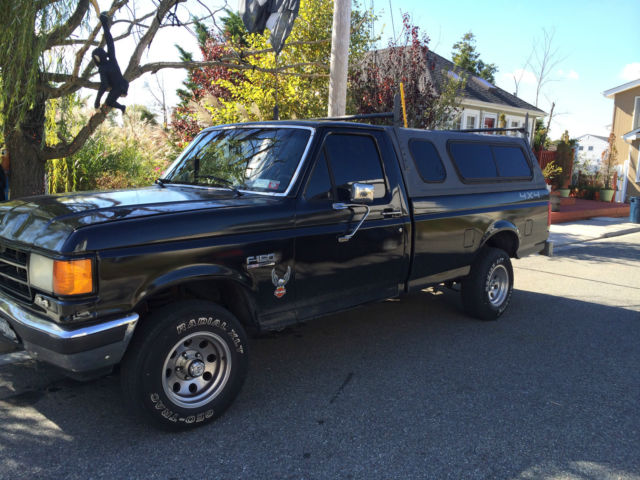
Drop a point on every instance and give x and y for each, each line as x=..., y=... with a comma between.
x=555, y=247
x=621, y=232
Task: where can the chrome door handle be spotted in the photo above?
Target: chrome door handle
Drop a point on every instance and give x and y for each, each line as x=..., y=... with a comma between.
x=392, y=213
x=344, y=206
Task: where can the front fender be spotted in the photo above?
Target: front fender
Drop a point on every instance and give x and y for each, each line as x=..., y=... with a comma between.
x=190, y=273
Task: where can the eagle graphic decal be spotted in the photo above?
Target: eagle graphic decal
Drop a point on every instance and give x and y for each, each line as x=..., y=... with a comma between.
x=280, y=283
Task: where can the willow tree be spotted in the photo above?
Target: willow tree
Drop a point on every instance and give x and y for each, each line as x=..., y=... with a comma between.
x=45, y=54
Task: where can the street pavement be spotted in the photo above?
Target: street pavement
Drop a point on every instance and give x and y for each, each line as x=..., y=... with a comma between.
x=408, y=388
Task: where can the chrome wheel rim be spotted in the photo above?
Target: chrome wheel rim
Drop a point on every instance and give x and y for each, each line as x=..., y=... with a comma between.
x=498, y=285
x=196, y=369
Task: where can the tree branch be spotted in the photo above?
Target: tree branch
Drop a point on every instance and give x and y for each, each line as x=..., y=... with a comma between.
x=63, y=77
x=66, y=149
x=249, y=53
x=64, y=30
x=147, y=38
x=154, y=67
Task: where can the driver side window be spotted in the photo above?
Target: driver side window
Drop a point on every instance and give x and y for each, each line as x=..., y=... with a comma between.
x=345, y=159
x=355, y=159
x=319, y=187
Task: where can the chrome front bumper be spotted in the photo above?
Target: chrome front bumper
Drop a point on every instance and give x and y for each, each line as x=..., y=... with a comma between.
x=79, y=350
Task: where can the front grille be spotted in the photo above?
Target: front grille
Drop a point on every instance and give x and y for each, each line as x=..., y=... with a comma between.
x=13, y=272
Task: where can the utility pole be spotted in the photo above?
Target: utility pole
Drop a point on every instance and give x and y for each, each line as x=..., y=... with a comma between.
x=339, y=57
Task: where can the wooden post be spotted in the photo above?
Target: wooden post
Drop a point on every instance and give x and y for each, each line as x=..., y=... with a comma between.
x=339, y=57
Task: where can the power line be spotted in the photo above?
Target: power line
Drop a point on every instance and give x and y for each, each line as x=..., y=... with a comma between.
x=393, y=27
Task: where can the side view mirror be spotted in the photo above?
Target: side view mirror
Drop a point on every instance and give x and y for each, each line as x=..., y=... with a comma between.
x=362, y=193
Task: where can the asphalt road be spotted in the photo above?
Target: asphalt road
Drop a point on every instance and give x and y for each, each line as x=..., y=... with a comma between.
x=401, y=389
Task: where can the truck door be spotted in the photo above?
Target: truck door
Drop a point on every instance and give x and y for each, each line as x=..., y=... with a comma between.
x=332, y=273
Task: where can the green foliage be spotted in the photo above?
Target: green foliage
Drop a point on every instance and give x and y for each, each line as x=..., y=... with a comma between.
x=303, y=91
x=540, y=138
x=219, y=95
x=551, y=171
x=609, y=161
x=564, y=159
x=117, y=156
x=234, y=29
x=502, y=122
x=466, y=57
x=21, y=53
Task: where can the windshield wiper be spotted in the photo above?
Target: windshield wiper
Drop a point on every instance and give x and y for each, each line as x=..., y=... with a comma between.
x=162, y=181
x=222, y=182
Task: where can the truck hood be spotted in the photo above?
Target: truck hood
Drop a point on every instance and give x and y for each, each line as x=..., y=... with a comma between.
x=46, y=222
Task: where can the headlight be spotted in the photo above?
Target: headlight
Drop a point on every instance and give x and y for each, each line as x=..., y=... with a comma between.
x=62, y=277
x=41, y=272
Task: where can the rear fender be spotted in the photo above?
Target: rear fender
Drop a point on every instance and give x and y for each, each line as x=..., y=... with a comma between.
x=502, y=234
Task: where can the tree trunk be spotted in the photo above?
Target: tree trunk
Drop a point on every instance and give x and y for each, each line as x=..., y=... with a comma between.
x=27, y=170
x=25, y=148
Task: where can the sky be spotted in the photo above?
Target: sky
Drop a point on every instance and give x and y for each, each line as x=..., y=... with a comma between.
x=598, y=48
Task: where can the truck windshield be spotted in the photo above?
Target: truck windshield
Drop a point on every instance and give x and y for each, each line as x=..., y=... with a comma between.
x=257, y=159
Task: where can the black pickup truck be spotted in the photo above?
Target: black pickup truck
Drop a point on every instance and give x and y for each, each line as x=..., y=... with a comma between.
x=255, y=227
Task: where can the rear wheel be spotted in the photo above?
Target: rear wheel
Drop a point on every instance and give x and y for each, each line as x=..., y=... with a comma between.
x=487, y=290
x=186, y=364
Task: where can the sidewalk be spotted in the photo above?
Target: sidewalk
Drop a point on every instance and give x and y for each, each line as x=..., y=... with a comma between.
x=563, y=234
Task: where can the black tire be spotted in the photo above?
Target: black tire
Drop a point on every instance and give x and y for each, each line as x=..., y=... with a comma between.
x=487, y=290
x=185, y=365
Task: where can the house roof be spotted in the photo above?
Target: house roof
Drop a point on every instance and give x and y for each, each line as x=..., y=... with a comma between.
x=476, y=89
x=599, y=137
x=621, y=88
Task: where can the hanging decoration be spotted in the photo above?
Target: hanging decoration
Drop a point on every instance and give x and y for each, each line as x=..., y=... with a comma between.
x=110, y=75
x=276, y=15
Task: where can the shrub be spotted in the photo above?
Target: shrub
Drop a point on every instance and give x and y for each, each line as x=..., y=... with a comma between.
x=132, y=154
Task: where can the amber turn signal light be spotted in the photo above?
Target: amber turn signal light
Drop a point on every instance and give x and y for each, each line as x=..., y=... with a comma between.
x=72, y=277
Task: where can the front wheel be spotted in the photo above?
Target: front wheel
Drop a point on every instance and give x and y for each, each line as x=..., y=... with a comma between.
x=486, y=292
x=185, y=365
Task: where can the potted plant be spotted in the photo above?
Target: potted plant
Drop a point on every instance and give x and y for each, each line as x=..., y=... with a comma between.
x=609, y=157
x=550, y=172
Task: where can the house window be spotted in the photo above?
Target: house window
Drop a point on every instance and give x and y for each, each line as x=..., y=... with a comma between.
x=590, y=148
x=636, y=114
x=580, y=148
x=470, y=121
x=515, y=122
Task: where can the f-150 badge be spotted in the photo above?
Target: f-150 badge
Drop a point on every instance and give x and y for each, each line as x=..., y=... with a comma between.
x=279, y=283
